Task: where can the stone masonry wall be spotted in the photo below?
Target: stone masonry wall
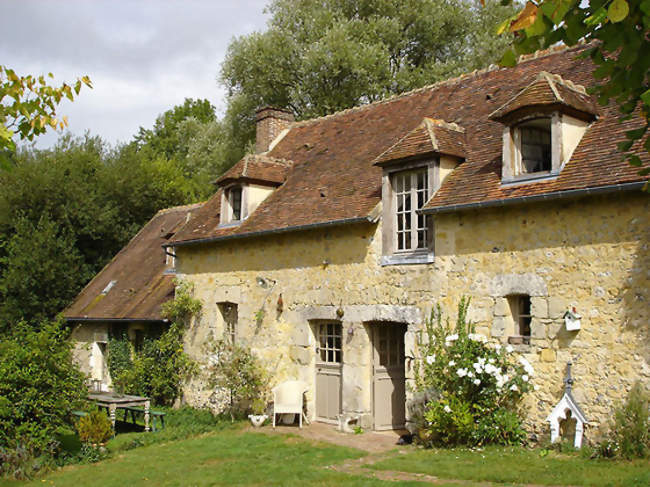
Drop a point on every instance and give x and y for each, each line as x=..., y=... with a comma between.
x=592, y=254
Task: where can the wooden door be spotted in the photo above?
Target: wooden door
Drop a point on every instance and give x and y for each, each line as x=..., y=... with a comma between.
x=328, y=371
x=389, y=392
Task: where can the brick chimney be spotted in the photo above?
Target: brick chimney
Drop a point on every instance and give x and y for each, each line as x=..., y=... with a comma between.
x=269, y=123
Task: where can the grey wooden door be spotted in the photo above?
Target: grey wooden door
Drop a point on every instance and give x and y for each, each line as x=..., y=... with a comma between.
x=389, y=393
x=328, y=371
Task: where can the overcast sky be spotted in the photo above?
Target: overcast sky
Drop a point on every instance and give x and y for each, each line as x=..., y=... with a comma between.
x=143, y=56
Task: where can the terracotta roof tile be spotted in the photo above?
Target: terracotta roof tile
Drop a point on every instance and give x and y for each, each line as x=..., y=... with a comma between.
x=431, y=136
x=333, y=177
x=118, y=292
x=548, y=90
x=259, y=168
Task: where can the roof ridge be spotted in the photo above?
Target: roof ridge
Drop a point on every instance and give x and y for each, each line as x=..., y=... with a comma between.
x=439, y=122
x=273, y=160
x=179, y=207
x=477, y=72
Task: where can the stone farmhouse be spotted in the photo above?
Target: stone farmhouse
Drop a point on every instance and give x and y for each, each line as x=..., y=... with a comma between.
x=326, y=249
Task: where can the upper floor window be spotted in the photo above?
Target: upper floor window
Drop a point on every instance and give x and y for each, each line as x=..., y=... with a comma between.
x=534, y=149
x=235, y=202
x=411, y=191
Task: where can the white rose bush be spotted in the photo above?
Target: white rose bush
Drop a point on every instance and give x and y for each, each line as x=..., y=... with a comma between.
x=473, y=388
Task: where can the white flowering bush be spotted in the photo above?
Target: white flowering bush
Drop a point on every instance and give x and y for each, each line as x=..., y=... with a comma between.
x=472, y=388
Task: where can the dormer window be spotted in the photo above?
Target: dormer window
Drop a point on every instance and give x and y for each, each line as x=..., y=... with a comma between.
x=233, y=204
x=543, y=125
x=247, y=184
x=534, y=151
x=234, y=200
x=414, y=168
x=411, y=192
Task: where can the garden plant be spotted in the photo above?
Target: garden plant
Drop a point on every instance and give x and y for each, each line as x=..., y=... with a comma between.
x=470, y=389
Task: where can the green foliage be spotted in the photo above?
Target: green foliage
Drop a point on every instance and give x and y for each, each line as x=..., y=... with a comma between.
x=40, y=271
x=191, y=138
x=28, y=105
x=236, y=369
x=316, y=58
x=180, y=423
x=184, y=306
x=621, y=53
x=95, y=428
x=160, y=368
x=630, y=431
x=471, y=390
x=66, y=211
x=119, y=356
x=39, y=385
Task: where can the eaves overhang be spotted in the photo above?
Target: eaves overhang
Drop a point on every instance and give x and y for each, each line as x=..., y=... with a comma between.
x=572, y=193
x=372, y=218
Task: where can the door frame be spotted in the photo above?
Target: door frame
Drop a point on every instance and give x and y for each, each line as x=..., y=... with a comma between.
x=373, y=327
x=330, y=368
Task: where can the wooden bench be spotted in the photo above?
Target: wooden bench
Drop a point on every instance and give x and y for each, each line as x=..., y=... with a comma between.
x=160, y=415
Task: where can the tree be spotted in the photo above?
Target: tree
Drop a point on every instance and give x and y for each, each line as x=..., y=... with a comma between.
x=28, y=105
x=621, y=52
x=319, y=57
x=66, y=211
x=190, y=137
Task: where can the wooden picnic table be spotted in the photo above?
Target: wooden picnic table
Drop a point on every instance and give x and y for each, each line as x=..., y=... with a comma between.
x=112, y=401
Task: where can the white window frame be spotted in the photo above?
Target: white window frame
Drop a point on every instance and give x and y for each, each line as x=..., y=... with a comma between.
x=227, y=211
x=408, y=239
x=512, y=169
x=391, y=254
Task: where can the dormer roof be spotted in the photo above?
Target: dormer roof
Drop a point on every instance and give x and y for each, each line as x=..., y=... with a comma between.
x=257, y=168
x=432, y=136
x=548, y=92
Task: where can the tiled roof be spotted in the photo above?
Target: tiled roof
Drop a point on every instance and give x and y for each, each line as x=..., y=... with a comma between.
x=333, y=177
x=133, y=285
x=259, y=168
x=430, y=137
x=548, y=90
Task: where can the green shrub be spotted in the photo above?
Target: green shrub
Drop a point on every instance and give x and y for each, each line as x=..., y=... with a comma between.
x=470, y=390
x=237, y=370
x=630, y=432
x=119, y=358
x=95, y=428
x=39, y=385
x=160, y=368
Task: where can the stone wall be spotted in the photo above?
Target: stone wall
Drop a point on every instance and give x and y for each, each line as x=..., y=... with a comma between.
x=591, y=253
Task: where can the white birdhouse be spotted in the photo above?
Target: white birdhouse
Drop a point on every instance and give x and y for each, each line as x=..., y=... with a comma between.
x=572, y=320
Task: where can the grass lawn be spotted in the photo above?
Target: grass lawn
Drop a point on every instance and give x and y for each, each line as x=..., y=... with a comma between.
x=513, y=465
x=227, y=457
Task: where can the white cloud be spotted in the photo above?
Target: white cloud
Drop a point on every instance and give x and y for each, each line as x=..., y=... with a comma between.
x=142, y=56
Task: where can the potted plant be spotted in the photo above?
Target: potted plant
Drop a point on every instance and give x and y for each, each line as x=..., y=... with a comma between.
x=259, y=415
